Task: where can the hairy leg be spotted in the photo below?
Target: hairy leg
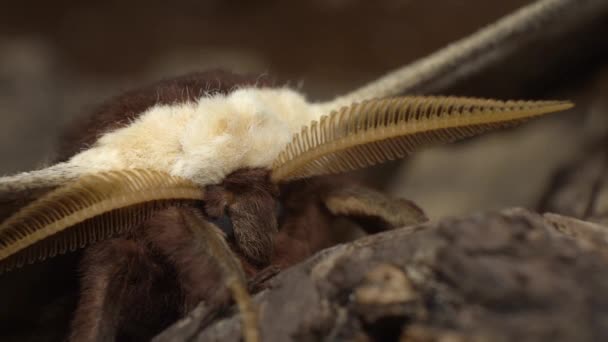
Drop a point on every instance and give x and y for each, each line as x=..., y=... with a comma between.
x=323, y=212
x=373, y=210
x=132, y=288
x=198, y=274
x=105, y=269
x=204, y=262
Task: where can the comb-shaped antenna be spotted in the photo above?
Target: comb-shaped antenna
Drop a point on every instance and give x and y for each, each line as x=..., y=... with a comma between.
x=375, y=131
x=95, y=207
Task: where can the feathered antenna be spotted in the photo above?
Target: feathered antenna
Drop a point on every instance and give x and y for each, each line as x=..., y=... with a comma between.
x=93, y=208
x=376, y=131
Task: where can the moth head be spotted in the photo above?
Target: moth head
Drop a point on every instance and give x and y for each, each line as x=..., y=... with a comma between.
x=230, y=156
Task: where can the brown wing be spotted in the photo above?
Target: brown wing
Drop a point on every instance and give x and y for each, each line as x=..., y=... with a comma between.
x=21, y=189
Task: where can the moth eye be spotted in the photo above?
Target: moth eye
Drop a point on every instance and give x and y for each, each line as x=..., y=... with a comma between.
x=224, y=223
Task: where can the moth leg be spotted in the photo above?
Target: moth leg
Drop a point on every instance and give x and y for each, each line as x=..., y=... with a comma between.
x=258, y=282
x=106, y=271
x=199, y=250
x=373, y=210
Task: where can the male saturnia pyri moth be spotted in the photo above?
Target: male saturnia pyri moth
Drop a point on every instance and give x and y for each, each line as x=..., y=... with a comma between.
x=180, y=189
x=190, y=190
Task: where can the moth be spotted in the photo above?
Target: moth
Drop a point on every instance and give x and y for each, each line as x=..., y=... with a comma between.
x=192, y=190
x=182, y=190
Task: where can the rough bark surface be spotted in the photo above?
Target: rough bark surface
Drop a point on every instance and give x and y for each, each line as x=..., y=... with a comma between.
x=502, y=276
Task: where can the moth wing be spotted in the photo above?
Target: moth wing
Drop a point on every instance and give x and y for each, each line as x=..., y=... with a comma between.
x=21, y=189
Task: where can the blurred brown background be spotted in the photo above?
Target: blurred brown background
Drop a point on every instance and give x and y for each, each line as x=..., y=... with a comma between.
x=58, y=59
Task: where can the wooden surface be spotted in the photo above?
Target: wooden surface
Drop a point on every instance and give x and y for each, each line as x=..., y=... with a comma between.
x=499, y=276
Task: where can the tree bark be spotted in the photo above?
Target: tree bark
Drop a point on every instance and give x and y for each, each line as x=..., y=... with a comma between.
x=501, y=276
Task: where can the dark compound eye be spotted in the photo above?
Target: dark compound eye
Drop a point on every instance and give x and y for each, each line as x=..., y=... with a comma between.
x=224, y=223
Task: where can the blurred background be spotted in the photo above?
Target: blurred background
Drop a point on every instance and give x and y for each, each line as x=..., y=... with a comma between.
x=59, y=59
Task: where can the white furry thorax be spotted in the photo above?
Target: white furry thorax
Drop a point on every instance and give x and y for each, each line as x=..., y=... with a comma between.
x=205, y=140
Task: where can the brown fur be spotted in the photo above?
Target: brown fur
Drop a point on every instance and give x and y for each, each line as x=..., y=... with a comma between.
x=253, y=209
x=38, y=300
x=306, y=226
x=133, y=287
x=122, y=293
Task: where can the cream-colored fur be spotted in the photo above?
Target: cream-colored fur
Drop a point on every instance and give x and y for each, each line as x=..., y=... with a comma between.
x=205, y=140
